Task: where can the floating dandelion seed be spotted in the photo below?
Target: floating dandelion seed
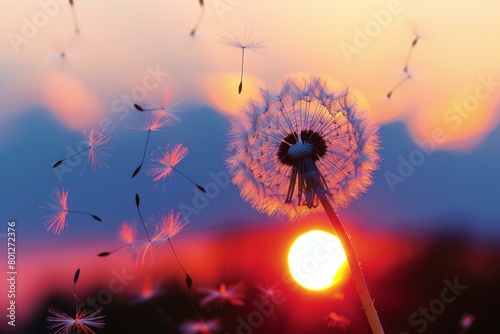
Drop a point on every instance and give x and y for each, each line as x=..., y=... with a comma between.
x=166, y=227
x=58, y=202
x=97, y=139
x=200, y=18
x=62, y=53
x=200, y=327
x=405, y=69
x=154, y=121
x=226, y=293
x=337, y=320
x=170, y=225
x=164, y=163
x=81, y=323
x=127, y=232
x=246, y=40
x=75, y=19
x=63, y=323
x=308, y=144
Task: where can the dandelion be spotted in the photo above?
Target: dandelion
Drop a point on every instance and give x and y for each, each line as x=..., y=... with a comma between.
x=337, y=320
x=169, y=225
x=154, y=121
x=243, y=40
x=75, y=19
x=96, y=139
x=309, y=144
x=200, y=18
x=232, y=294
x=164, y=163
x=407, y=75
x=201, y=327
x=58, y=202
x=63, y=323
x=127, y=233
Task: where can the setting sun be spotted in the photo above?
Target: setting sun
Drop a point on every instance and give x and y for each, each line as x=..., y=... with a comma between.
x=315, y=259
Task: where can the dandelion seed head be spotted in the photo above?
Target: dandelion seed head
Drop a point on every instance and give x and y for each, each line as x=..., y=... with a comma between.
x=310, y=137
x=164, y=161
x=200, y=327
x=98, y=138
x=226, y=293
x=56, y=222
x=244, y=39
x=62, y=323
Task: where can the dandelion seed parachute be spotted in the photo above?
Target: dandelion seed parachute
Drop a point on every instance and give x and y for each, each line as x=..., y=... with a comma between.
x=97, y=139
x=56, y=221
x=244, y=40
x=311, y=136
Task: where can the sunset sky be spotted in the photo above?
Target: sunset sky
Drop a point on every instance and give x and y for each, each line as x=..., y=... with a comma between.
x=439, y=130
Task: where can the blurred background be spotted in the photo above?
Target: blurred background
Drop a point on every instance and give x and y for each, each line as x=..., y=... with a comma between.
x=431, y=218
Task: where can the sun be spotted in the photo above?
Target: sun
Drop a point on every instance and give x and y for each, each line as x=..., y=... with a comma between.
x=315, y=259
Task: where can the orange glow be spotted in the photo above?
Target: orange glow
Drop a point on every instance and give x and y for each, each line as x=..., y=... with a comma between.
x=222, y=91
x=146, y=287
x=70, y=101
x=128, y=232
x=459, y=124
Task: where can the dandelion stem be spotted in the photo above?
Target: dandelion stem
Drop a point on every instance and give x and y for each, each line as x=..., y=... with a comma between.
x=189, y=281
x=75, y=279
x=200, y=17
x=176, y=257
x=357, y=274
x=104, y=254
x=240, y=87
x=405, y=69
x=189, y=179
x=143, y=155
x=74, y=155
x=137, y=202
x=75, y=19
x=85, y=213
